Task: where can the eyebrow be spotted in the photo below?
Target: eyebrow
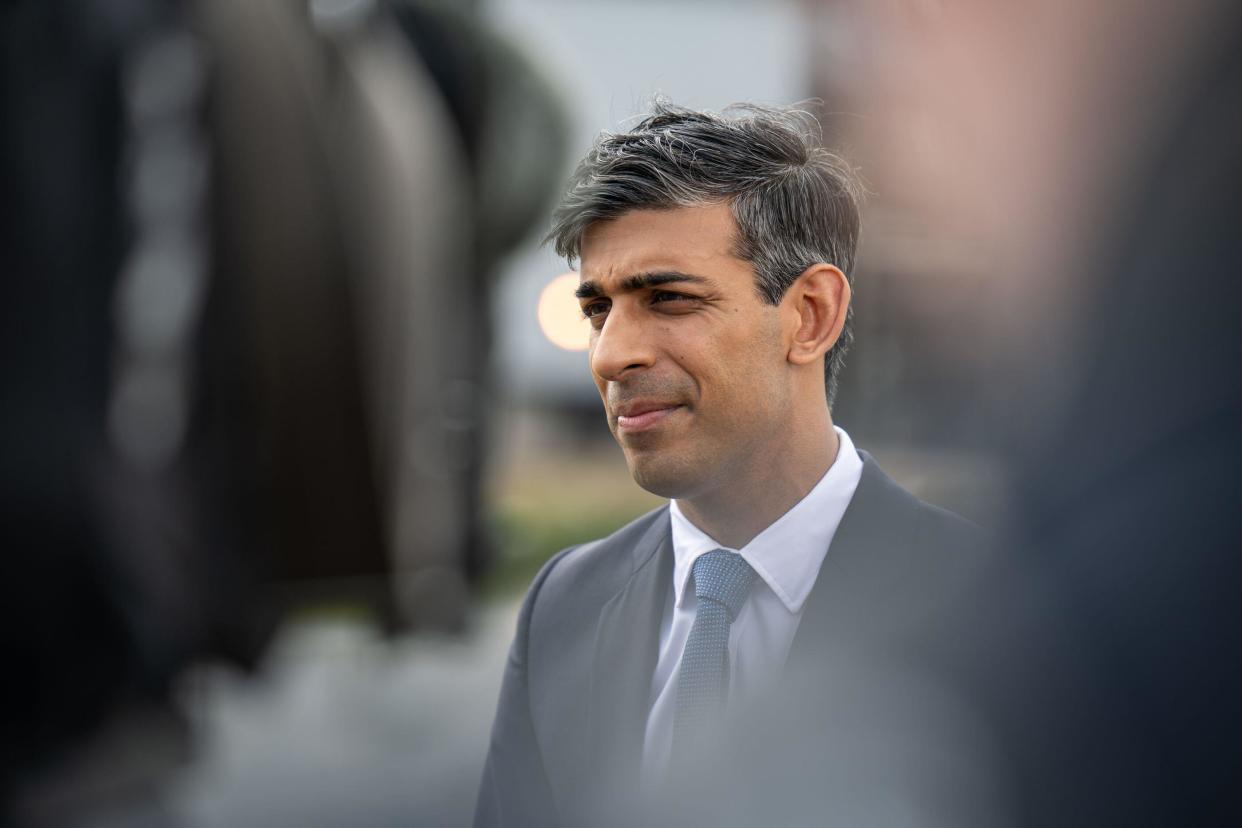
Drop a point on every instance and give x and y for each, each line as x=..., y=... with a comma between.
x=591, y=289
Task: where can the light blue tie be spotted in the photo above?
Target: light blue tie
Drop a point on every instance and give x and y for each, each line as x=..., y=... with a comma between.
x=721, y=583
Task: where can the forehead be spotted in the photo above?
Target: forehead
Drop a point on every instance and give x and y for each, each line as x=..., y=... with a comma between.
x=689, y=239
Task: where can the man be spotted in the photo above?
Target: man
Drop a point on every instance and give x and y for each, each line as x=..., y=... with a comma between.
x=715, y=257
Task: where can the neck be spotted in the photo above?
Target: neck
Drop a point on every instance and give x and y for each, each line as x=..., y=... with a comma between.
x=733, y=514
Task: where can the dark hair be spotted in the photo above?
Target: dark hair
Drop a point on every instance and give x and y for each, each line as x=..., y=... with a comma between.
x=795, y=202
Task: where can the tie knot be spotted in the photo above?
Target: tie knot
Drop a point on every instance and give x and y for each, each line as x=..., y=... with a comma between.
x=723, y=577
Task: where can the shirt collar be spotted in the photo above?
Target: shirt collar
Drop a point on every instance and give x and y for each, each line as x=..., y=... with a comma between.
x=787, y=554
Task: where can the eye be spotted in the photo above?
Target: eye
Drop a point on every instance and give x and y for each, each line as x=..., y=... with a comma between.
x=595, y=311
x=668, y=297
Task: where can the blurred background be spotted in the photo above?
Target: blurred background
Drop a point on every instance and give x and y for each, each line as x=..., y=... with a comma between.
x=296, y=402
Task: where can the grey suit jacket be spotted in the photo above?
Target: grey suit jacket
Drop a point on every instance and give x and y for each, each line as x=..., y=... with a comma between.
x=568, y=733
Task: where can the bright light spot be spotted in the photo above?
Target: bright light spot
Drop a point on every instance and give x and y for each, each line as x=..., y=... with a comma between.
x=560, y=316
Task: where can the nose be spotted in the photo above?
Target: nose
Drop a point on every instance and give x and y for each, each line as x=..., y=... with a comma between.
x=622, y=346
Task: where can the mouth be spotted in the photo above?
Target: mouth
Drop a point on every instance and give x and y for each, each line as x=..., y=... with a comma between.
x=643, y=416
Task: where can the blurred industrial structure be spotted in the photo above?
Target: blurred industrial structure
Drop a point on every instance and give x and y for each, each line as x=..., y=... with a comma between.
x=250, y=249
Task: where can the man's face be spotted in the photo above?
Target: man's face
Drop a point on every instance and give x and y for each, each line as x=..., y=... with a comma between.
x=689, y=360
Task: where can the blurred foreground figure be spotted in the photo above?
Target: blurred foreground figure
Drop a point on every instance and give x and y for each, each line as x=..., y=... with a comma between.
x=1103, y=655
x=246, y=249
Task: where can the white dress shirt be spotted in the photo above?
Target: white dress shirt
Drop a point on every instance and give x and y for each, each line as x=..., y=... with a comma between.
x=786, y=556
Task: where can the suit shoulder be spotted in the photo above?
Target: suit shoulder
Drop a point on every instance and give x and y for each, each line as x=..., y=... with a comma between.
x=887, y=506
x=608, y=556
x=935, y=542
x=589, y=574
x=952, y=551
x=937, y=522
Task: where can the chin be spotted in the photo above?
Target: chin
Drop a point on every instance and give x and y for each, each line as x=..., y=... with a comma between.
x=664, y=476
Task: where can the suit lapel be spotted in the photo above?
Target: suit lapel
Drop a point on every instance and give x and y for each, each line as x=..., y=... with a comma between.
x=626, y=648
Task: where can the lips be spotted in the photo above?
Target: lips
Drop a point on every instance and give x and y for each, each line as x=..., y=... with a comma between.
x=638, y=416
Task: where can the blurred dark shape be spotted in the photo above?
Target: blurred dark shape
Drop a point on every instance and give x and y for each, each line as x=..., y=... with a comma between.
x=247, y=249
x=1103, y=652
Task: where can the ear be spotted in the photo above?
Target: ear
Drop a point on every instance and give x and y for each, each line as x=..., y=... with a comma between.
x=817, y=302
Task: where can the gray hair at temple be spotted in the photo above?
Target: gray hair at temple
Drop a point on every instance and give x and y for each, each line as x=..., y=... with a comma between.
x=795, y=203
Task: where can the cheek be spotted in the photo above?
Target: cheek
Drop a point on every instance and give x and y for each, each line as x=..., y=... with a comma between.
x=689, y=355
x=757, y=374
x=742, y=380
x=736, y=366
